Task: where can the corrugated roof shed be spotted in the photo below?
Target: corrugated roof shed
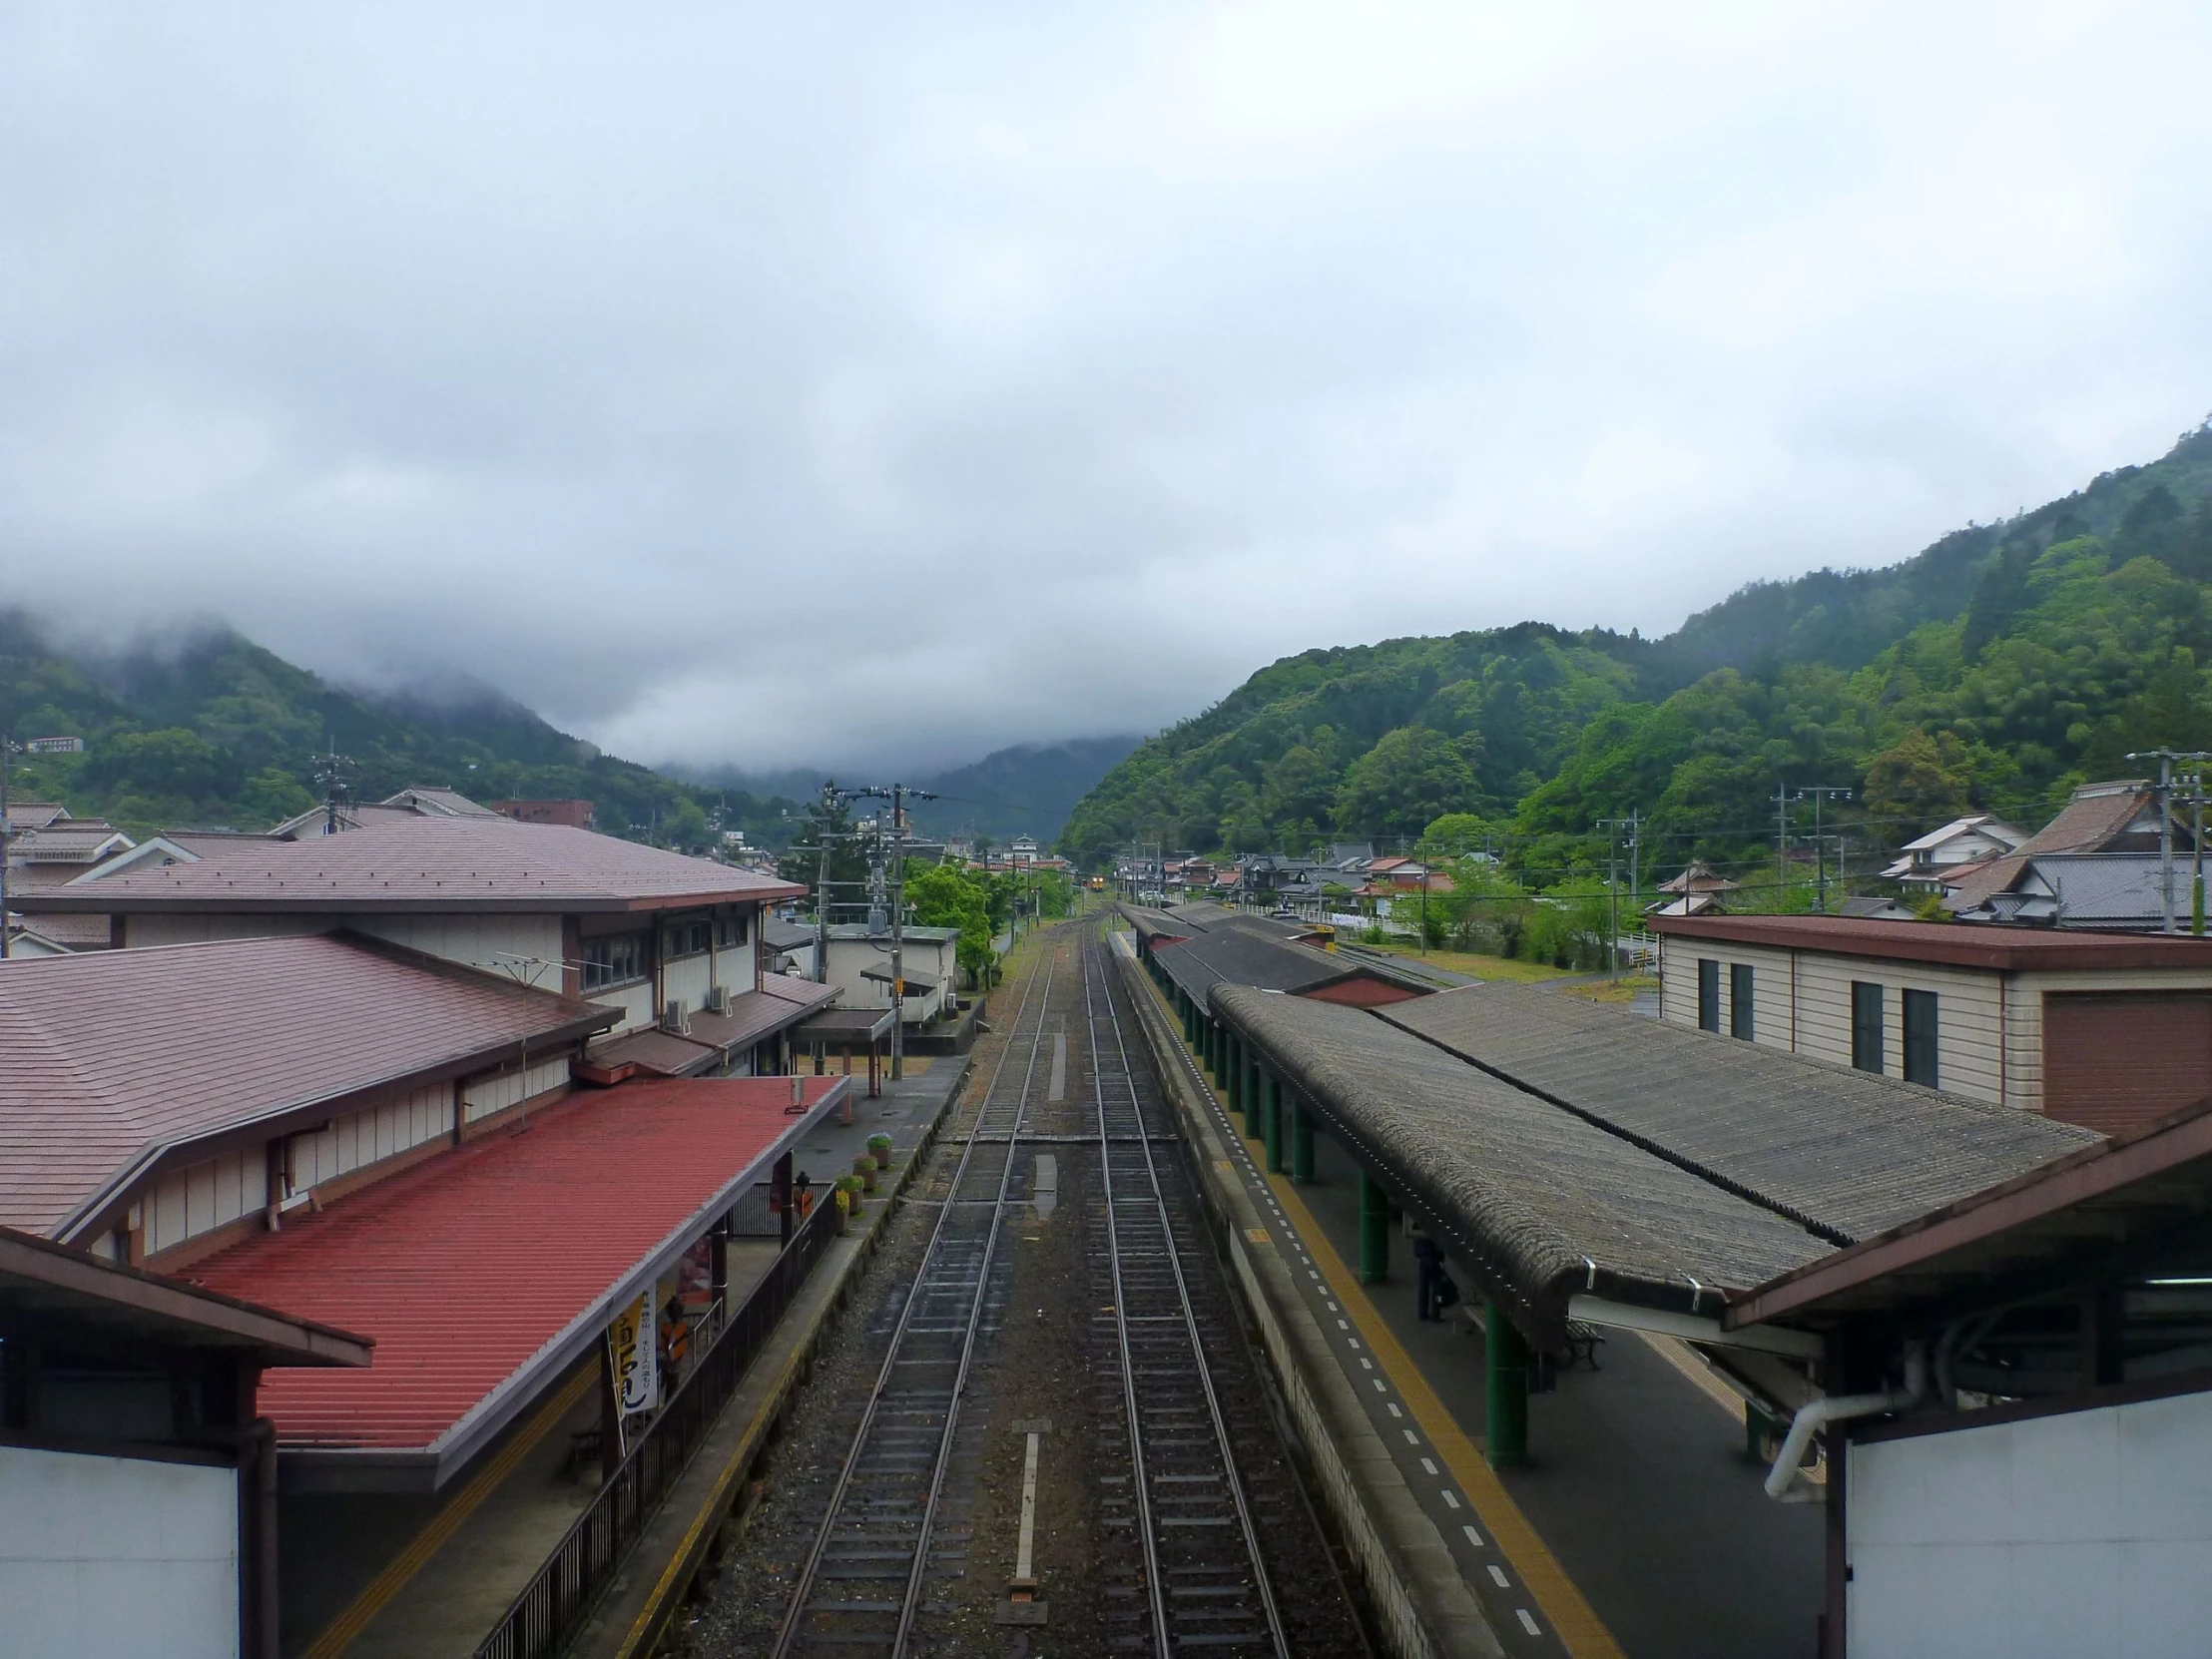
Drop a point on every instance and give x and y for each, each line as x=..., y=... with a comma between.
x=482, y=1273
x=108, y=1060
x=1844, y=1151
x=1539, y=1202
x=400, y=862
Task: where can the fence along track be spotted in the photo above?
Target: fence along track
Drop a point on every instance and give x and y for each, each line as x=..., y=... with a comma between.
x=1206, y=1582
x=876, y=1530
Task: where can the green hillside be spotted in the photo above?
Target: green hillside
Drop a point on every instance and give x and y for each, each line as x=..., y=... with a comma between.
x=218, y=731
x=1995, y=670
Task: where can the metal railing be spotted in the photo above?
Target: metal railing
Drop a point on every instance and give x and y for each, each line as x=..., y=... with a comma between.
x=554, y=1606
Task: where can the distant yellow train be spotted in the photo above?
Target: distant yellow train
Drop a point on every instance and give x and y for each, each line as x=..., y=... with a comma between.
x=1098, y=884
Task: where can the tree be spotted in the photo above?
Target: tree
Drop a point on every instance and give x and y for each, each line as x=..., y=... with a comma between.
x=1412, y=777
x=1916, y=784
x=1455, y=836
x=945, y=895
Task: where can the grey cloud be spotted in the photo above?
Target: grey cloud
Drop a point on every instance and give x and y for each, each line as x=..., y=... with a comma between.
x=872, y=383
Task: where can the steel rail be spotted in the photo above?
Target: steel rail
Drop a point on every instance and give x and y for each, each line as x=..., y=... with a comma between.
x=1231, y=1479
x=802, y=1589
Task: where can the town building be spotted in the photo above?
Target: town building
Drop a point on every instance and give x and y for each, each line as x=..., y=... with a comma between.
x=655, y=934
x=1939, y=856
x=1697, y=891
x=2121, y=815
x=572, y=814
x=2018, y=1411
x=2109, y=1031
x=137, y=1487
x=859, y=968
x=2132, y=892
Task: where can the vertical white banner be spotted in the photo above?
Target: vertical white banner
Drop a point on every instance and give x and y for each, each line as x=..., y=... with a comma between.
x=634, y=1345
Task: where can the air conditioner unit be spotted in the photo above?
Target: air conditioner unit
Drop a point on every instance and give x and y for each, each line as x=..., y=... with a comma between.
x=673, y=1019
x=718, y=999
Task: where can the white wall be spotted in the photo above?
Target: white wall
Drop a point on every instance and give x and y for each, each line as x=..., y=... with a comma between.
x=511, y=1088
x=115, y=1556
x=524, y=948
x=360, y=1138
x=202, y=1197
x=2089, y=1534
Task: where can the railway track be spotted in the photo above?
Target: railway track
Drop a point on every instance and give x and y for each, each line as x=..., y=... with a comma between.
x=859, y=1588
x=1205, y=1580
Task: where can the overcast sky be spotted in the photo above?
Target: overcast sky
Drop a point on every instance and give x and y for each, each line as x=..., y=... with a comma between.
x=840, y=383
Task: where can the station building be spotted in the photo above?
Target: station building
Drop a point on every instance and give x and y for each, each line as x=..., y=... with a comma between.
x=672, y=944
x=390, y=1144
x=140, y=1511
x=2110, y=1031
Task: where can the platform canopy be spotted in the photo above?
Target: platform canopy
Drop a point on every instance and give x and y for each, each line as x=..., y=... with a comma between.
x=486, y=1272
x=1569, y=1155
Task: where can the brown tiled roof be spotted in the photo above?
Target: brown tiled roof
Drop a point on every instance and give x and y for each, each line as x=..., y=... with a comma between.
x=754, y=1018
x=2090, y=822
x=77, y=933
x=116, y=1059
x=1958, y=944
x=403, y=863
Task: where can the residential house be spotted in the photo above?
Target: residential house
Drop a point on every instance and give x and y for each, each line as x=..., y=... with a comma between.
x=2109, y=1031
x=2116, y=817
x=1940, y=856
x=1695, y=892
x=59, y=850
x=2133, y=892
x=1023, y=849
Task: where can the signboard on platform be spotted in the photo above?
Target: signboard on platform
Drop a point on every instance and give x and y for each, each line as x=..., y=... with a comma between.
x=632, y=1345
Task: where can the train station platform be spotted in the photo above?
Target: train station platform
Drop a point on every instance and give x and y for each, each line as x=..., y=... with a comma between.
x=436, y=1573
x=1637, y=1525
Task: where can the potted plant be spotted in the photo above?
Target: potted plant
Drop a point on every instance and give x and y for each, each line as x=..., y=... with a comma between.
x=850, y=1186
x=881, y=1146
x=863, y=1168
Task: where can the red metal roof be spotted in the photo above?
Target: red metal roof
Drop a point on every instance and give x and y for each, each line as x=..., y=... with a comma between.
x=400, y=862
x=482, y=1273
x=1958, y=943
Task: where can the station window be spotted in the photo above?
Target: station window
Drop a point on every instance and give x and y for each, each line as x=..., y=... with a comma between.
x=730, y=931
x=617, y=959
x=1866, y=1025
x=1708, y=994
x=686, y=939
x=1739, y=1000
x=1920, y=1038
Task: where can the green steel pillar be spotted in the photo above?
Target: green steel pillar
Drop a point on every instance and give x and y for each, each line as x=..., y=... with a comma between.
x=1375, y=1232
x=1272, y=1121
x=1213, y=1050
x=1505, y=1389
x=1233, y=1061
x=1255, y=1094
x=1302, y=1146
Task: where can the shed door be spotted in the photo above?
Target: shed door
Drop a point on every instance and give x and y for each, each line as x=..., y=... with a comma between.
x=2114, y=1061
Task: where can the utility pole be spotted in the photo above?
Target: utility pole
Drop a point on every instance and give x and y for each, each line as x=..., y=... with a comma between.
x=899, y=794
x=330, y=771
x=1780, y=843
x=1817, y=794
x=831, y=799
x=2167, y=759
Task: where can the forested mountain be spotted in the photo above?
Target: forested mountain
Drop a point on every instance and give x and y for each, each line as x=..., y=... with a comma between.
x=1027, y=789
x=214, y=730
x=1993, y=670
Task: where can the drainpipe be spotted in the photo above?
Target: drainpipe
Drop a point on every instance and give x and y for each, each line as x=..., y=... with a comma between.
x=1816, y=1415
x=260, y=1439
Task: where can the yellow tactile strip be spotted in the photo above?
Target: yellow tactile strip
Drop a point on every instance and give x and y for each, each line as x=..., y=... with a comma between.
x=340, y=1633
x=1578, y=1627
x=1573, y=1620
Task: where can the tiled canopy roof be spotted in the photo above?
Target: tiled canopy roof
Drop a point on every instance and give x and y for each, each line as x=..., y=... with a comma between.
x=112, y=1060
x=400, y=862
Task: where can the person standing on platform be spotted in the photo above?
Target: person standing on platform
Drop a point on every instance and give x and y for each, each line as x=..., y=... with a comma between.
x=1429, y=1277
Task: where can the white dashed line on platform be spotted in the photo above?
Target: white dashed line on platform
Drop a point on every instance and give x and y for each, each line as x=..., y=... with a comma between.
x=1499, y=1573
x=1451, y=1499
x=1364, y=1360
x=1396, y=1413
x=1528, y=1623
x=1474, y=1537
x=1428, y=1465
x=1379, y=1386
x=1411, y=1439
